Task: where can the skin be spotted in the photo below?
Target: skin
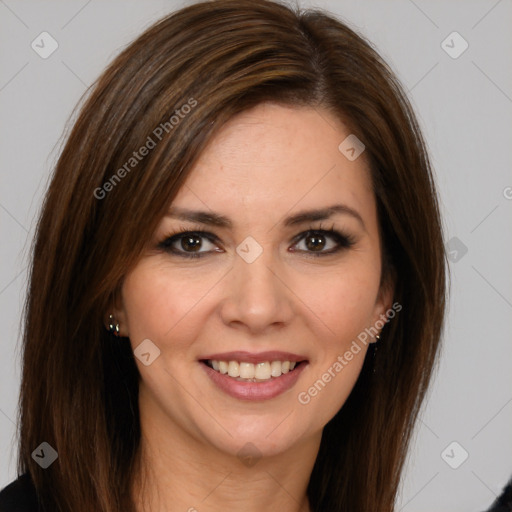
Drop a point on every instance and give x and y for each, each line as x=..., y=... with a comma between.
x=264, y=165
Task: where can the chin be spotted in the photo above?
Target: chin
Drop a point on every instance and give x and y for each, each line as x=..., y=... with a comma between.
x=255, y=435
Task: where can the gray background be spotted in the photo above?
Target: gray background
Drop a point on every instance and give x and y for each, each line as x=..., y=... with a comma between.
x=465, y=109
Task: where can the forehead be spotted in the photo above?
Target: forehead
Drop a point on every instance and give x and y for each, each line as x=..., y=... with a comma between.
x=273, y=157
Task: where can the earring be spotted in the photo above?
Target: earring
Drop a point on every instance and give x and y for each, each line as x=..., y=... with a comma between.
x=113, y=326
x=376, y=344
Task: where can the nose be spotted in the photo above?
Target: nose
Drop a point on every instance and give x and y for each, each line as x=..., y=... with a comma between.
x=257, y=297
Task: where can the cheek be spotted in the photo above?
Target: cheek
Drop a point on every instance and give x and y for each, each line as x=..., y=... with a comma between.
x=329, y=387
x=344, y=306
x=342, y=300
x=157, y=301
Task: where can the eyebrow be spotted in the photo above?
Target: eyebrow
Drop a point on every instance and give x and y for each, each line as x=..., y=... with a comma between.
x=220, y=221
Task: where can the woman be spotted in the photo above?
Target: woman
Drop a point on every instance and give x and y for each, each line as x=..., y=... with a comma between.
x=182, y=351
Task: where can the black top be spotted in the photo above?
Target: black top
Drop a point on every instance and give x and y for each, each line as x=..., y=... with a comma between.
x=503, y=503
x=19, y=496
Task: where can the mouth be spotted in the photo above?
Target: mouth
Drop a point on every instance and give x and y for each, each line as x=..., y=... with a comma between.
x=245, y=371
x=248, y=376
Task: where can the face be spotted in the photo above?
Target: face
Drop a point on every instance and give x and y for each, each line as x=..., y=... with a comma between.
x=282, y=267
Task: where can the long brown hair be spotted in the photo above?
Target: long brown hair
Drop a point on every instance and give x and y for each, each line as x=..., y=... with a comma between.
x=79, y=389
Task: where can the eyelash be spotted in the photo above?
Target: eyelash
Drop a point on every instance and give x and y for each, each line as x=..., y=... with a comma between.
x=344, y=241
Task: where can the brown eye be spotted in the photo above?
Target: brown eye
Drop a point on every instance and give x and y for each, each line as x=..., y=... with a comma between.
x=315, y=242
x=191, y=243
x=323, y=242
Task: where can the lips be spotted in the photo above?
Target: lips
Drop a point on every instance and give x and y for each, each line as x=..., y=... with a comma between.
x=254, y=376
x=251, y=357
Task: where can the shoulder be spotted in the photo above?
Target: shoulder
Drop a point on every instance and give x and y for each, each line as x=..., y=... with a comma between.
x=503, y=502
x=19, y=496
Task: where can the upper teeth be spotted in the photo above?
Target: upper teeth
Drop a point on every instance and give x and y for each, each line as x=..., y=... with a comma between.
x=260, y=371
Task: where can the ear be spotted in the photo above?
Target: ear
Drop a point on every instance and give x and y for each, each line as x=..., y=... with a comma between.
x=383, y=303
x=116, y=309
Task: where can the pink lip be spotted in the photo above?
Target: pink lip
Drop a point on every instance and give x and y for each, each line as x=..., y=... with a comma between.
x=250, y=357
x=255, y=390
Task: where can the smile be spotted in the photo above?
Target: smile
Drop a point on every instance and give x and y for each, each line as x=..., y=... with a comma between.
x=248, y=376
x=245, y=371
